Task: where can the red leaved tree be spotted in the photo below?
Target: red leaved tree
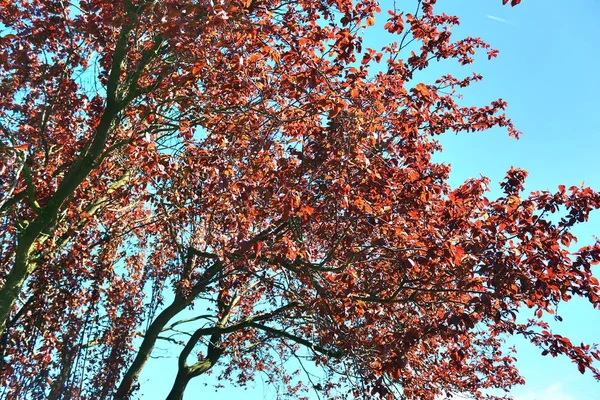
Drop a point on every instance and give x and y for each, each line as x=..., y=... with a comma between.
x=243, y=180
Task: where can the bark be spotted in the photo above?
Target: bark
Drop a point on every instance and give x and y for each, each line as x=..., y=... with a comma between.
x=185, y=375
x=146, y=347
x=179, y=386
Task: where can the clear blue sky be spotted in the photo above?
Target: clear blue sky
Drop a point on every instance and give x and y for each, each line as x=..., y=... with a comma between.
x=547, y=70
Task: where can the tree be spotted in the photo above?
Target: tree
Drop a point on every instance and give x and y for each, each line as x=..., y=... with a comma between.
x=242, y=180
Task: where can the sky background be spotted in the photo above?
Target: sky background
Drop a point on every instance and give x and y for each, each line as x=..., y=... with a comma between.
x=547, y=70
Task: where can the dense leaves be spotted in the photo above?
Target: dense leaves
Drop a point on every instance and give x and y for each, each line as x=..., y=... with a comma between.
x=245, y=182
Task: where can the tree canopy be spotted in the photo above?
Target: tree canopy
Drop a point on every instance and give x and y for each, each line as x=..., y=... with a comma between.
x=245, y=181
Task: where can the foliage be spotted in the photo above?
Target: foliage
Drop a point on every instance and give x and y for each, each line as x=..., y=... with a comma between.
x=241, y=179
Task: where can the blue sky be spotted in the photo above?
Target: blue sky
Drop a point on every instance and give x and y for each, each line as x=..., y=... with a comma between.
x=547, y=71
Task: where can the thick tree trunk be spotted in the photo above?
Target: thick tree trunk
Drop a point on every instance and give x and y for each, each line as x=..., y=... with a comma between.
x=47, y=216
x=73, y=178
x=181, y=381
x=12, y=287
x=185, y=375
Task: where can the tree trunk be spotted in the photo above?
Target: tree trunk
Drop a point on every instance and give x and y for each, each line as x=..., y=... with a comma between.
x=181, y=381
x=73, y=178
x=147, y=346
x=12, y=286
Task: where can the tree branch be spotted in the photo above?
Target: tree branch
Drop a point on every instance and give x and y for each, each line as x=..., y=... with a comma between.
x=299, y=340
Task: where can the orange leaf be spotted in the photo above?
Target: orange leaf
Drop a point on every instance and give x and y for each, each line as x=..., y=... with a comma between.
x=423, y=90
x=197, y=68
x=21, y=147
